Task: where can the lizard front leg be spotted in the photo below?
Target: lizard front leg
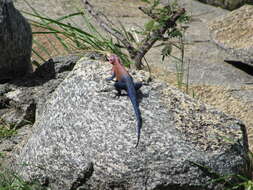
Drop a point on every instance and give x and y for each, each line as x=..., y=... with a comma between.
x=112, y=77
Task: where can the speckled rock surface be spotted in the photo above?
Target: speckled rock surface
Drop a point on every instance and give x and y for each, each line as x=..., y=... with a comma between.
x=19, y=98
x=22, y=100
x=16, y=42
x=233, y=32
x=85, y=137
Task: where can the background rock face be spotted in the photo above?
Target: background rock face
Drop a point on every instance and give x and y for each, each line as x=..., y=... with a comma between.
x=234, y=32
x=15, y=42
x=85, y=137
x=227, y=4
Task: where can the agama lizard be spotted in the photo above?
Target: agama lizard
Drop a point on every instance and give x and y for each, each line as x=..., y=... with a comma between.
x=124, y=81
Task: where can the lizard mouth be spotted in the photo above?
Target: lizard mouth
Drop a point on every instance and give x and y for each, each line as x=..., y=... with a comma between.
x=109, y=58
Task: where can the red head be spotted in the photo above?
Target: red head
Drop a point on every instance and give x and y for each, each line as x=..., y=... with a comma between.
x=113, y=59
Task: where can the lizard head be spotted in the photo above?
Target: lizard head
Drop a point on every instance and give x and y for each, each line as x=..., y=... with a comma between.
x=113, y=59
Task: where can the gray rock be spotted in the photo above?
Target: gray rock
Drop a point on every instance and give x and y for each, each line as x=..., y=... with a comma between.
x=233, y=32
x=22, y=100
x=8, y=144
x=15, y=42
x=226, y=4
x=205, y=58
x=85, y=138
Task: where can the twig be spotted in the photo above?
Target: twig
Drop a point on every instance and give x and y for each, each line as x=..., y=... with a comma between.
x=135, y=54
x=149, y=13
x=149, y=70
x=149, y=41
x=104, y=24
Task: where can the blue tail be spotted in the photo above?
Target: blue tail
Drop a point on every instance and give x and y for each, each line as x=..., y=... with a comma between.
x=133, y=97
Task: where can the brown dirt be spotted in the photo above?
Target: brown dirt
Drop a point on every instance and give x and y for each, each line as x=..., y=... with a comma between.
x=51, y=44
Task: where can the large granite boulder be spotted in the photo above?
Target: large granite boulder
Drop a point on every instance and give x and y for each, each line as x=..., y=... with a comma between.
x=85, y=137
x=15, y=42
x=233, y=32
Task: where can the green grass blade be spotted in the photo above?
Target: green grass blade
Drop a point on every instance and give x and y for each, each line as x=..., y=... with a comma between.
x=34, y=10
x=40, y=46
x=68, y=16
x=49, y=32
x=61, y=24
x=38, y=55
x=91, y=27
x=69, y=30
x=62, y=43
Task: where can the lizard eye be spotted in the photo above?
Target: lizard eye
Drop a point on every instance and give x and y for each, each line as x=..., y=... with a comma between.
x=110, y=58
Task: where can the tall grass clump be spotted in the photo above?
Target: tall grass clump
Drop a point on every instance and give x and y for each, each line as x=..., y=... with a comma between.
x=6, y=130
x=11, y=181
x=60, y=34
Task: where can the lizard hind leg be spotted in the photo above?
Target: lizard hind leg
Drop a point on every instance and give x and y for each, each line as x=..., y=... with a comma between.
x=120, y=86
x=137, y=85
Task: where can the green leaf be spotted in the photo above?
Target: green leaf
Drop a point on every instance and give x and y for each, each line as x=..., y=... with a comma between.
x=149, y=25
x=166, y=51
x=155, y=4
x=145, y=1
x=175, y=33
x=2, y=155
x=184, y=18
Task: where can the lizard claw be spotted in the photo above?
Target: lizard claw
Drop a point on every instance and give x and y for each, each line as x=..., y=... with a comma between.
x=117, y=95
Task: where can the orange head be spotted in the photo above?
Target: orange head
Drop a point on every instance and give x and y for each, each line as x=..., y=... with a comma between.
x=113, y=59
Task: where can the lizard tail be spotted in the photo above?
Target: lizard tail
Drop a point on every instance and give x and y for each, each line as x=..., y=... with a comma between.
x=133, y=97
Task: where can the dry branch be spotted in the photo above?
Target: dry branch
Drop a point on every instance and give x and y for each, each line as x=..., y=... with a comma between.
x=149, y=41
x=145, y=45
x=106, y=26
